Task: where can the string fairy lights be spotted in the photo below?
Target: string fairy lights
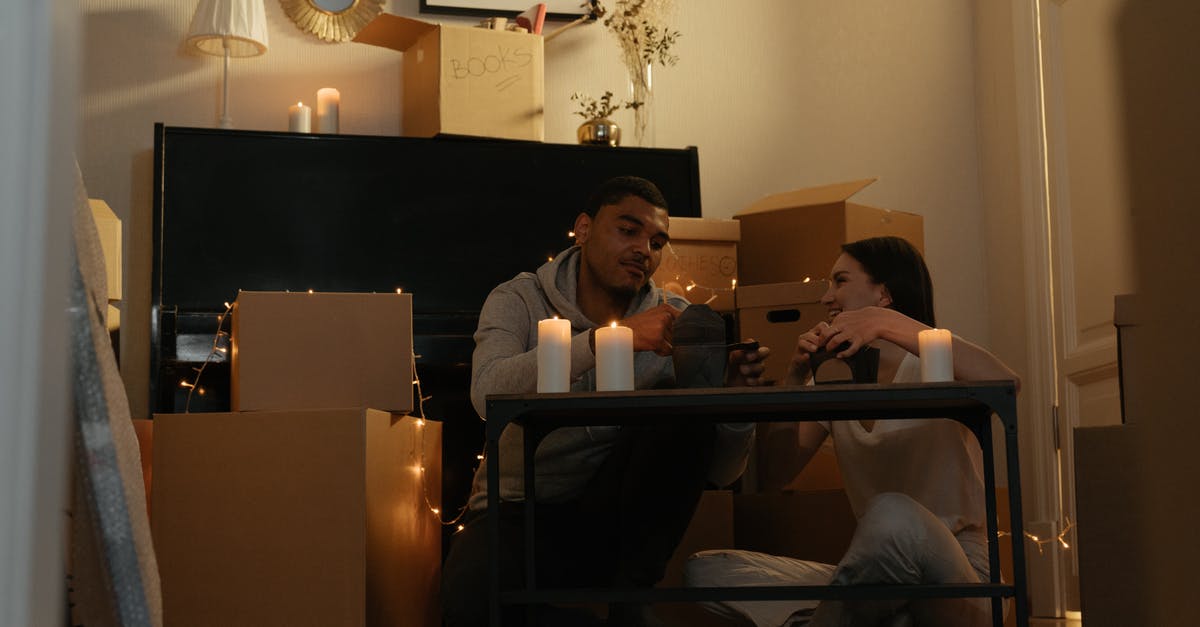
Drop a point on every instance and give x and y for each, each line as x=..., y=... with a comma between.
x=680, y=278
x=421, y=398
x=193, y=386
x=1040, y=542
x=713, y=292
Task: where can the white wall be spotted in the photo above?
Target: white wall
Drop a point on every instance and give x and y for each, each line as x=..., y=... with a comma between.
x=776, y=94
x=37, y=69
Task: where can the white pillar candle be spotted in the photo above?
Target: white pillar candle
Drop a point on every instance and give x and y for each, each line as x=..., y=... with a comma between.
x=937, y=355
x=328, y=101
x=300, y=118
x=554, y=355
x=614, y=358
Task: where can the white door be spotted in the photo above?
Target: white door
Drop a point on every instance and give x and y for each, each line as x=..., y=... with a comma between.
x=1087, y=231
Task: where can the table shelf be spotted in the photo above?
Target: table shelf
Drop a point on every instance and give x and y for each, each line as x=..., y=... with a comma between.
x=973, y=404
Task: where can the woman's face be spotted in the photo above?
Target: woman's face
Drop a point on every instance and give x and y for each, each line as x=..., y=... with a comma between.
x=850, y=288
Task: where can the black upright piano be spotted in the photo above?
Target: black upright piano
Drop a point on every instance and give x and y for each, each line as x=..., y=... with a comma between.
x=445, y=219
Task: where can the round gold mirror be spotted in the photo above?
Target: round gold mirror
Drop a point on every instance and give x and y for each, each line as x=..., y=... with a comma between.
x=332, y=20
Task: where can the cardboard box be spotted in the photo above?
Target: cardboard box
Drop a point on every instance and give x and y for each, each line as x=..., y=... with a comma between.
x=776, y=315
x=297, y=518
x=702, y=255
x=109, y=227
x=294, y=350
x=465, y=81
x=1110, y=524
x=798, y=234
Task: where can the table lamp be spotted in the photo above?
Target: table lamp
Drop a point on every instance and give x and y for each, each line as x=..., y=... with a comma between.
x=229, y=28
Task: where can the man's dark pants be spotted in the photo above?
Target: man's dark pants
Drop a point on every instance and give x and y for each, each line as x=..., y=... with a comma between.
x=621, y=532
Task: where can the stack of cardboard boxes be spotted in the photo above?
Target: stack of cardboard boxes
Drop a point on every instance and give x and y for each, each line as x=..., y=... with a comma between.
x=316, y=500
x=790, y=241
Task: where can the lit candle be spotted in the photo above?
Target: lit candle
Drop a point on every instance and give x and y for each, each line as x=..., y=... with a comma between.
x=554, y=355
x=328, y=100
x=937, y=355
x=300, y=118
x=614, y=358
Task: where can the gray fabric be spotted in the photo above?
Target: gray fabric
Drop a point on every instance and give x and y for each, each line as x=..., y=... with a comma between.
x=897, y=541
x=101, y=475
x=113, y=570
x=505, y=362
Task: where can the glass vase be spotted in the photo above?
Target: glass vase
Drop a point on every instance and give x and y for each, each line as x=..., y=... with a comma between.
x=641, y=87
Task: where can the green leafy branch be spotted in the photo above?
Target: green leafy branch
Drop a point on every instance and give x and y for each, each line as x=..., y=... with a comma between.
x=592, y=109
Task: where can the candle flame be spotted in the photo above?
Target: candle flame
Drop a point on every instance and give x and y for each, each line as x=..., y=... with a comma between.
x=614, y=324
x=310, y=291
x=806, y=279
x=570, y=233
x=299, y=104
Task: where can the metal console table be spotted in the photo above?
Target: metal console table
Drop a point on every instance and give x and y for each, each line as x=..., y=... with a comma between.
x=972, y=404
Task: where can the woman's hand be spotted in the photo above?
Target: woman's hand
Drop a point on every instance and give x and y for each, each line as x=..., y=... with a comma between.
x=808, y=343
x=858, y=327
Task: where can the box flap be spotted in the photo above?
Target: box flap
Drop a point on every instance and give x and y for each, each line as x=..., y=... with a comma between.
x=1126, y=310
x=809, y=197
x=393, y=31
x=710, y=229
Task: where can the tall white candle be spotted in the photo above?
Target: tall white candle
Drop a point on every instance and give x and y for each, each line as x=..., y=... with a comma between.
x=937, y=355
x=300, y=118
x=614, y=358
x=328, y=101
x=554, y=355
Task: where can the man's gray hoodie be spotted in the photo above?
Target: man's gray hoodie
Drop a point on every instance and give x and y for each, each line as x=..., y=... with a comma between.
x=505, y=362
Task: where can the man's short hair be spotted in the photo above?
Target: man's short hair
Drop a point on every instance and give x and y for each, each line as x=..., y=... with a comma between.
x=616, y=189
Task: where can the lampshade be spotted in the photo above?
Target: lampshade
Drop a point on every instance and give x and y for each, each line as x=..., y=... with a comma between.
x=243, y=23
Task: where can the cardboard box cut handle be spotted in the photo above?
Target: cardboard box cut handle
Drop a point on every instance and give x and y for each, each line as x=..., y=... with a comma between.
x=783, y=316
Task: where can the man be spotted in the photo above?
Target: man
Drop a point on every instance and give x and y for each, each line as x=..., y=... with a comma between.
x=612, y=502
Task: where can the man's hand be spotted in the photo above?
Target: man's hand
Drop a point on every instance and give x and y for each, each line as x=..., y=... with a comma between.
x=652, y=329
x=746, y=367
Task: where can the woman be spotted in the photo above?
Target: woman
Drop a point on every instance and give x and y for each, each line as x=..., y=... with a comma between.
x=916, y=486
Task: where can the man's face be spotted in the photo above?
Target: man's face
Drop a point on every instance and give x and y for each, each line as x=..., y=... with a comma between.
x=622, y=246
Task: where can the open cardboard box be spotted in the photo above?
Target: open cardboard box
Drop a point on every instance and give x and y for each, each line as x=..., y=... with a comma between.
x=798, y=234
x=465, y=81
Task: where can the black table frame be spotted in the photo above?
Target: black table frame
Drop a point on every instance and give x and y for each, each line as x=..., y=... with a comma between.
x=972, y=404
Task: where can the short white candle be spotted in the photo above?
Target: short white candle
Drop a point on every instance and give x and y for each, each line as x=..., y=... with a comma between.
x=614, y=358
x=300, y=118
x=937, y=355
x=554, y=355
x=328, y=101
